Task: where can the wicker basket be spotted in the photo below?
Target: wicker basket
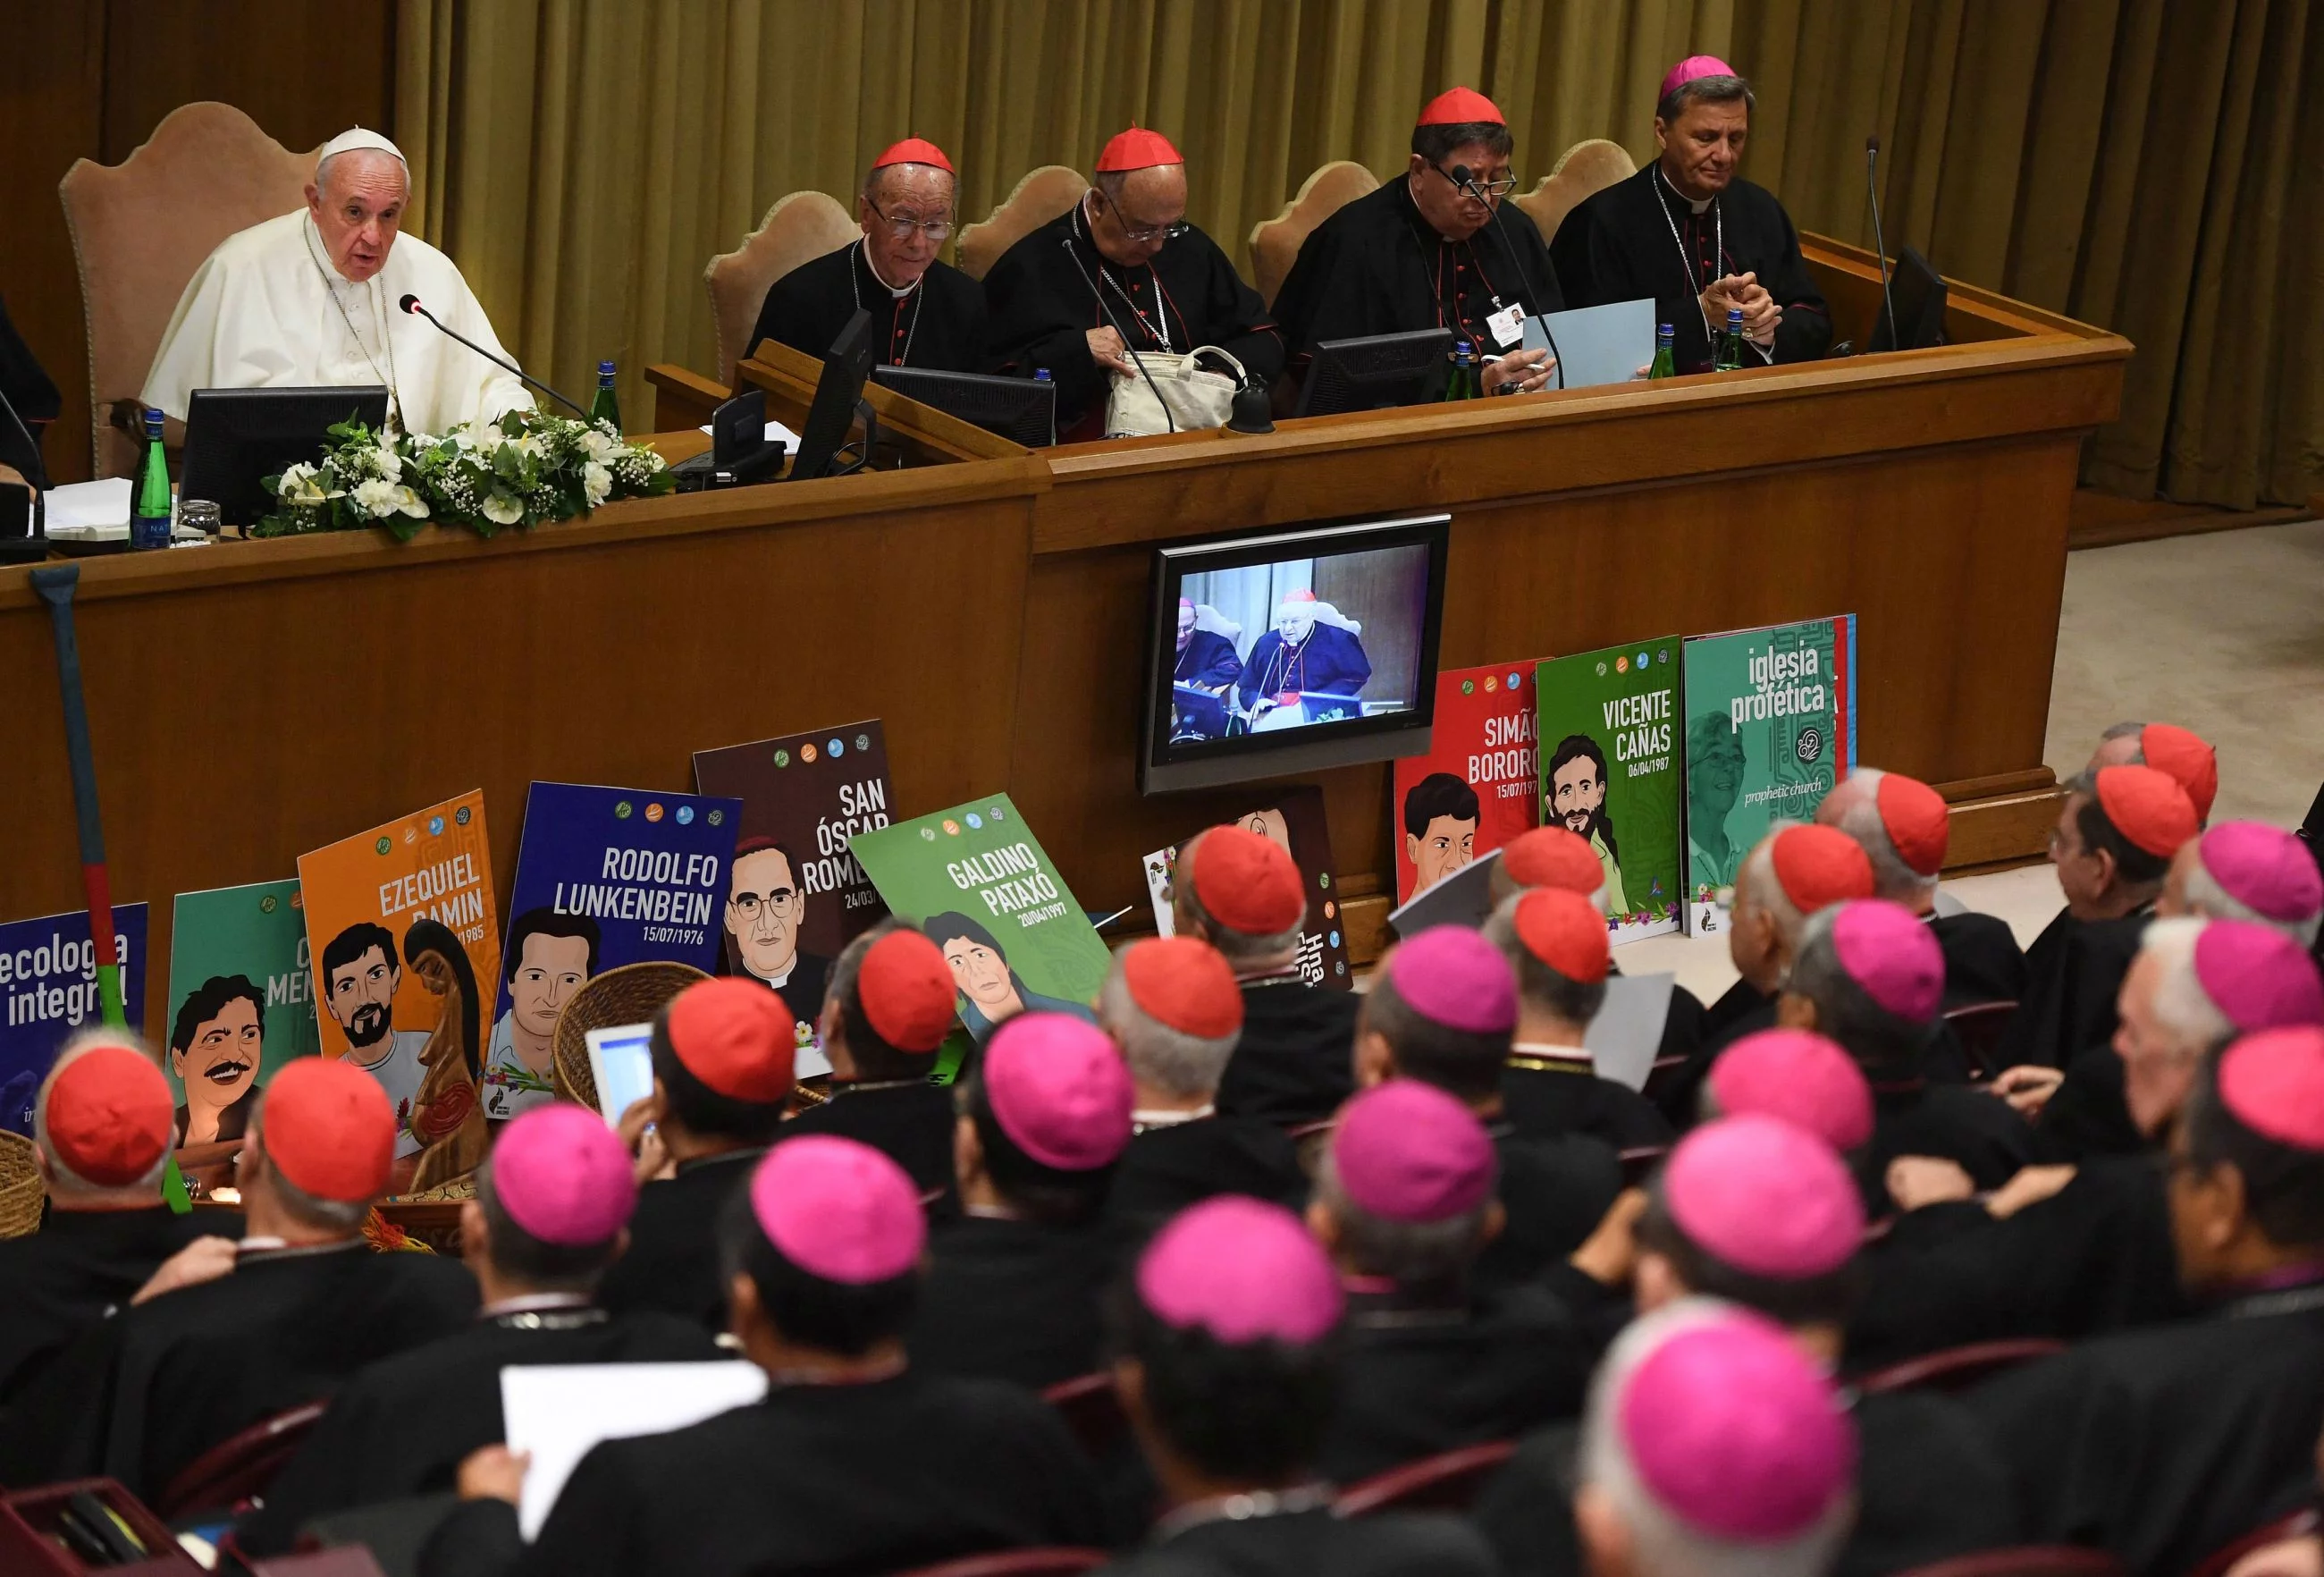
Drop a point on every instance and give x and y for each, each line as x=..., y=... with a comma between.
x=631, y=994
x=21, y=1190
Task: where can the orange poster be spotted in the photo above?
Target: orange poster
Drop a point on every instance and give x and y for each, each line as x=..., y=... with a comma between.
x=405, y=938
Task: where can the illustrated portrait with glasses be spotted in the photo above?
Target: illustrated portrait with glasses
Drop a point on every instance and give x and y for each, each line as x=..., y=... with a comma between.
x=766, y=908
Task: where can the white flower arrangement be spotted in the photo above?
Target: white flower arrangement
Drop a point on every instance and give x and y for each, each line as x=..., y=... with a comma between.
x=522, y=468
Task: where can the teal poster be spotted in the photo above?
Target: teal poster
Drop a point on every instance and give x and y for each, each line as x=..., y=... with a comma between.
x=242, y=1002
x=1608, y=740
x=1770, y=728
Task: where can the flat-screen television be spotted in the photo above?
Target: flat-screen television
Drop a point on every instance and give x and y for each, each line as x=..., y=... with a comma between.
x=1377, y=373
x=1024, y=410
x=236, y=437
x=1919, y=292
x=832, y=412
x=1289, y=651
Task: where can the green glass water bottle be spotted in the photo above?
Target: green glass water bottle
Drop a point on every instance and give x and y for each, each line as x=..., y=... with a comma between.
x=605, y=407
x=1729, y=354
x=1665, y=362
x=149, y=511
x=1462, y=383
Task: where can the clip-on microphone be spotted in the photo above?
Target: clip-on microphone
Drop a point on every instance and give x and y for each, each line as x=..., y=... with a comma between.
x=410, y=303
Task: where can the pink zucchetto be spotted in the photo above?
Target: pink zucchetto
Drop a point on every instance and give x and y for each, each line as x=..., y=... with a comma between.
x=2256, y=976
x=1766, y=1196
x=1451, y=975
x=562, y=1176
x=1693, y=69
x=1408, y=1152
x=1059, y=1089
x=839, y=1210
x=1892, y=956
x=2273, y=1083
x=1800, y=1077
x=1735, y=1432
x=2265, y=868
x=1242, y=1272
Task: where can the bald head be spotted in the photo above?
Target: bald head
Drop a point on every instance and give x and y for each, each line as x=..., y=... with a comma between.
x=357, y=201
x=897, y=205
x=1133, y=207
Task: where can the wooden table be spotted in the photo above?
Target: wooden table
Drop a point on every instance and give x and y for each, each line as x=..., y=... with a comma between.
x=253, y=700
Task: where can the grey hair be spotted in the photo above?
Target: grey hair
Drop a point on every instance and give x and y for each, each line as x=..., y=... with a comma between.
x=1410, y=1252
x=1186, y=1065
x=1238, y=948
x=1767, y=891
x=329, y=1215
x=2207, y=899
x=1882, y=1042
x=1111, y=183
x=1500, y=886
x=62, y=1178
x=1662, y=1545
x=323, y=167
x=1705, y=90
x=1576, y=1002
x=2185, y=1008
x=2123, y=731
x=1892, y=879
x=876, y=177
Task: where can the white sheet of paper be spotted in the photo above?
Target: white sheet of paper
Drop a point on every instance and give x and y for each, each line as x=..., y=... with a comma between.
x=1598, y=345
x=558, y=1411
x=1629, y=1029
x=776, y=432
x=102, y=503
x=1461, y=898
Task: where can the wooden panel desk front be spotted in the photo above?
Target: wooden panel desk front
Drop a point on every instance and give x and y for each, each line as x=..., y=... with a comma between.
x=252, y=701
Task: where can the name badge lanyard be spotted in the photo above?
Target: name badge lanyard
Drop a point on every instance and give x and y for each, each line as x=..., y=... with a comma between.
x=1686, y=262
x=1159, y=332
x=1459, y=323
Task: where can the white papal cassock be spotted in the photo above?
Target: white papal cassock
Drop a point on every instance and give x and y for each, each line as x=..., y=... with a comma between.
x=267, y=309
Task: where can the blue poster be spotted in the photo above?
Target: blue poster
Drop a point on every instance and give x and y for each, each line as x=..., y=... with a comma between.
x=604, y=876
x=48, y=975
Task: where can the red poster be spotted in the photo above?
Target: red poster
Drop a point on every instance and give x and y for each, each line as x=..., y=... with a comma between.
x=1479, y=787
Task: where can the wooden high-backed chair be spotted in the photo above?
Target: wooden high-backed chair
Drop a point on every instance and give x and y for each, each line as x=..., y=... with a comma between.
x=801, y=227
x=1040, y=197
x=1275, y=243
x=140, y=228
x=1587, y=167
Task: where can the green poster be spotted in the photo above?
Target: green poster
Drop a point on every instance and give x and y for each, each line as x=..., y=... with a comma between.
x=1608, y=748
x=241, y=1002
x=1770, y=728
x=976, y=881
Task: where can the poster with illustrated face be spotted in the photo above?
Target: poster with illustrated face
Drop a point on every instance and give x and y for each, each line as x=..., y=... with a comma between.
x=242, y=1002
x=1770, y=728
x=978, y=883
x=48, y=979
x=604, y=876
x=405, y=942
x=1477, y=786
x=1294, y=823
x=1608, y=724
x=797, y=896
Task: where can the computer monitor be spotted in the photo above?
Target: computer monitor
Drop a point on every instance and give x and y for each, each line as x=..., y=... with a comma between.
x=1918, y=291
x=1024, y=410
x=836, y=391
x=237, y=437
x=1376, y=373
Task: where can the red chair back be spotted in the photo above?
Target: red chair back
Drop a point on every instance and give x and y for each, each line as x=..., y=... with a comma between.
x=233, y=1470
x=1447, y=1481
x=2221, y=1561
x=1059, y=1562
x=2025, y=1561
x=1956, y=1369
x=1978, y=1028
x=1092, y=1411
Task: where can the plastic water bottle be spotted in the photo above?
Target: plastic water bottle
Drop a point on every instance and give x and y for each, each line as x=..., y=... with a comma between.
x=149, y=509
x=1665, y=362
x=1729, y=357
x=605, y=407
x=1462, y=383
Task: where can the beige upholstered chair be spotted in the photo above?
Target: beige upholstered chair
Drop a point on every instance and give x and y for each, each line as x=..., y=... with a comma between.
x=1040, y=197
x=1275, y=243
x=1587, y=167
x=802, y=225
x=141, y=227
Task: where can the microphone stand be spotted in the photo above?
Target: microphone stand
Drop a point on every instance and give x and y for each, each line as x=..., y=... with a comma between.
x=1880, y=247
x=411, y=304
x=1135, y=359
x=1465, y=182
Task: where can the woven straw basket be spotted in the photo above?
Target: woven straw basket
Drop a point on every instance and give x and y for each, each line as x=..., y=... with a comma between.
x=21, y=1192
x=631, y=994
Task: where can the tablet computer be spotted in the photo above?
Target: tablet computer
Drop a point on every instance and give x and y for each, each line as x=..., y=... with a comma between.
x=621, y=1059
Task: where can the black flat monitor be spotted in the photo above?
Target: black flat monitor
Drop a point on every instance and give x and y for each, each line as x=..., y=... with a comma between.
x=1292, y=651
x=833, y=411
x=237, y=437
x=1374, y=374
x=1024, y=410
x=1918, y=291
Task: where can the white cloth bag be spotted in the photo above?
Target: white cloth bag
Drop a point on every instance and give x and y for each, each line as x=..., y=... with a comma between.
x=1196, y=398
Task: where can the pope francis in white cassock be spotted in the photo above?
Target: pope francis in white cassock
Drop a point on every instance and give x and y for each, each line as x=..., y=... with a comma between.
x=310, y=299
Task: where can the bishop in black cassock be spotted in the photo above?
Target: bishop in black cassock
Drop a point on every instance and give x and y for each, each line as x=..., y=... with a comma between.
x=1426, y=252
x=1681, y=227
x=1121, y=266
x=925, y=313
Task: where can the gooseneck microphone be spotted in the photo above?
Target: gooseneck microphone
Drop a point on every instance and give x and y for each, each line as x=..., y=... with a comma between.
x=1128, y=346
x=1465, y=179
x=1880, y=247
x=410, y=303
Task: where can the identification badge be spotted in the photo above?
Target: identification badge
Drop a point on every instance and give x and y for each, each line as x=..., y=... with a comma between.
x=1508, y=325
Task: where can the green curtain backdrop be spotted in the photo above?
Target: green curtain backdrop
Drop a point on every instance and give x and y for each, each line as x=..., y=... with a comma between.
x=2127, y=162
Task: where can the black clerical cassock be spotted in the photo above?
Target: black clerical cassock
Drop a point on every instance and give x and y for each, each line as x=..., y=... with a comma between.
x=1043, y=295
x=673, y=1263
x=1639, y=237
x=937, y=324
x=1013, y=1300
x=2073, y=974
x=1378, y=267
x=908, y=1120
x=60, y=1281
x=1294, y=1061
x=1207, y=659
x=1171, y=1165
x=1556, y=1188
